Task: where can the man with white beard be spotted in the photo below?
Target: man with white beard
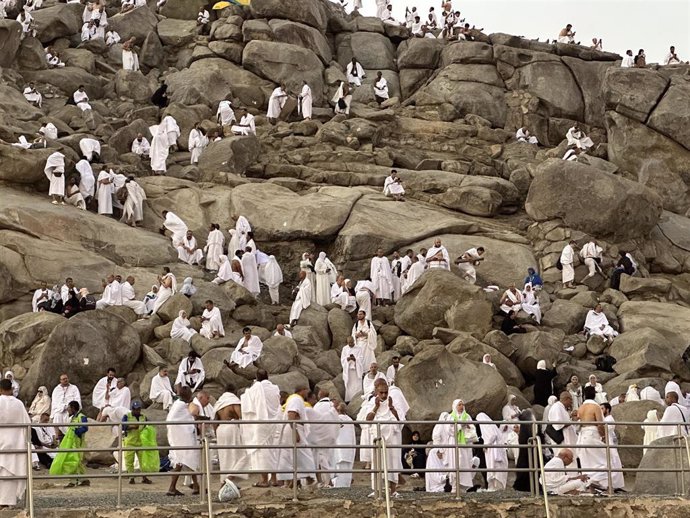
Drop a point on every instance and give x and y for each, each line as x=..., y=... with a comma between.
x=161, y=391
x=344, y=457
x=225, y=117
x=112, y=293
x=60, y=398
x=90, y=149
x=302, y=299
x=87, y=181
x=365, y=337
x=276, y=103
x=352, y=361
x=251, y=272
x=214, y=248
x=381, y=276
x=105, y=386
x=247, y=351
x=133, y=210
x=437, y=256
x=12, y=464
x=105, y=188
x=188, y=251
x=261, y=402
x=184, y=435
x=295, y=410
x=364, y=294
x=55, y=172
x=323, y=434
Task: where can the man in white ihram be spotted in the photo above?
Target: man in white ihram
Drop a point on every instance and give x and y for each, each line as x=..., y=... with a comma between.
x=12, y=464
x=382, y=277
x=112, y=293
x=596, y=323
x=303, y=298
x=181, y=435
x=247, y=351
x=105, y=386
x=276, y=103
x=225, y=116
x=567, y=259
x=393, y=187
x=62, y=395
x=211, y=322
x=592, y=460
x=437, y=256
x=161, y=391
x=364, y=334
x=557, y=481
x=352, y=361
x=468, y=261
x=188, y=250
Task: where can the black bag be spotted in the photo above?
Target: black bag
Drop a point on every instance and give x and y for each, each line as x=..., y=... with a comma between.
x=555, y=435
x=559, y=264
x=342, y=104
x=88, y=303
x=57, y=175
x=605, y=363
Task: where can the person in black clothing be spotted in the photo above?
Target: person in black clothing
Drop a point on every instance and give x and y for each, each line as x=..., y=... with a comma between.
x=417, y=456
x=509, y=326
x=624, y=265
x=526, y=433
x=543, y=383
x=160, y=96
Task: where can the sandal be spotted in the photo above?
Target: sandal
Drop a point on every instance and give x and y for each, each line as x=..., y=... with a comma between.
x=174, y=493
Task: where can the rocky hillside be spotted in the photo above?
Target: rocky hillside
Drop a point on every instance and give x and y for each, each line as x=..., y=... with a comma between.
x=316, y=185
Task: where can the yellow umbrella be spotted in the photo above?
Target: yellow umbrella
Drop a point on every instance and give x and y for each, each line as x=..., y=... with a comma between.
x=221, y=5
x=241, y=2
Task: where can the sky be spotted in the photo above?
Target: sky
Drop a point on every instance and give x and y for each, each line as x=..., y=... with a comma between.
x=653, y=25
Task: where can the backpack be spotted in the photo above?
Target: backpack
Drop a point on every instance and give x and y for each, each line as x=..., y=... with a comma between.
x=605, y=363
x=559, y=264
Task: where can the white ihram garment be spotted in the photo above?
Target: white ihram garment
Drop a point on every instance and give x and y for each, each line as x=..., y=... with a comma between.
x=183, y=436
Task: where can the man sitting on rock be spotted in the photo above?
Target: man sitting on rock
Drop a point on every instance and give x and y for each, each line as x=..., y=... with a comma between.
x=567, y=35
x=596, y=323
x=246, y=125
x=557, y=481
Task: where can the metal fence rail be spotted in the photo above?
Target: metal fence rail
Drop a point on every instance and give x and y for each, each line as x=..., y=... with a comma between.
x=380, y=470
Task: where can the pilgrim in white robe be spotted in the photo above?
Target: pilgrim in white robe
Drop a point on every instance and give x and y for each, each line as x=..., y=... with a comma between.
x=195, y=256
x=242, y=226
x=672, y=386
x=261, y=402
x=276, y=103
x=601, y=396
x=369, y=381
x=12, y=464
x=305, y=465
x=225, y=116
x=592, y=458
x=325, y=270
x=197, y=143
x=305, y=102
x=391, y=433
x=414, y=273
x=133, y=208
x=112, y=296
x=302, y=300
x=251, y=273
x=469, y=272
x=515, y=301
x=440, y=457
x=381, y=8
x=381, y=88
x=523, y=135
x=382, y=278
x=181, y=329
x=104, y=192
x=60, y=398
x=172, y=129
x=320, y=434
x=55, y=172
x=576, y=137
x=98, y=397
x=437, y=257
x=176, y=226
x=355, y=73
x=353, y=370
x=130, y=59
x=344, y=457
x=184, y=435
x=496, y=458
x=392, y=186
x=558, y=413
x=364, y=291
x=247, y=351
x=89, y=147
x=164, y=292
x=225, y=272
x=567, y=259
x=247, y=125
x=530, y=303
x=161, y=391
x=191, y=380
x=33, y=96
x=230, y=460
x=273, y=277
x=340, y=95
x=121, y=397
x=40, y=296
x=87, y=181
x=141, y=147
x=81, y=99
x=160, y=148
x=651, y=394
x=650, y=429
x=617, y=479
x=214, y=249
x=342, y=297
x=674, y=413
x=213, y=324
x=365, y=337
x=556, y=481
x=598, y=324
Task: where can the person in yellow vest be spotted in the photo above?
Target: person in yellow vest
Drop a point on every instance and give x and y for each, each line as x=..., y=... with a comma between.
x=135, y=432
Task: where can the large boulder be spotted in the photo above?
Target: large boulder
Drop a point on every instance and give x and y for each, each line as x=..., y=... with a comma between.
x=302, y=35
x=422, y=52
x=278, y=355
x=633, y=92
x=588, y=76
x=617, y=208
x=19, y=334
x=232, y=155
x=435, y=377
x=310, y=12
x=176, y=32
x=23, y=166
x=59, y=21
x=670, y=320
x=534, y=347
x=373, y=51
x=565, y=315
x=442, y=299
x=661, y=481
x=83, y=347
x=469, y=347
x=10, y=39
x=668, y=116
x=285, y=63
x=138, y=23
x=182, y=9
x=68, y=79
x=632, y=411
x=132, y=85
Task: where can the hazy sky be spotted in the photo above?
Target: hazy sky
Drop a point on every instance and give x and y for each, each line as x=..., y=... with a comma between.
x=653, y=25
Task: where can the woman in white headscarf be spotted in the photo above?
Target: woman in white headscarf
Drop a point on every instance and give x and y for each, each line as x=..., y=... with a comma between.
x=496, y=458
x=273, y=276
x=150, y=298
x=181, y=328
x=9, y=375
x=651, y=429
x=307, y=267
x=632, y=394
x=547, y=408
x=530, y=303
x=466, y=435
x=440, y=457
x=324, y=272
x=40, y=405
x=188, y=289
x=487, y=361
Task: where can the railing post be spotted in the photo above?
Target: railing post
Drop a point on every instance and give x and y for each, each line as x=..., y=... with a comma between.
x=29, y=495
x=207, y=470
x=678, y=471
x=294, y=462
x=119, y=465
x=456, y=454
x=607, y=438
x=204, y=464
x=530, y=466
x=378, y=462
